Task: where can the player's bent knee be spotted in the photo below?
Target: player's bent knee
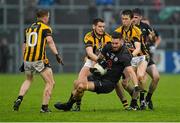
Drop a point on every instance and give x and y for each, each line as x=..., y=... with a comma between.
x=81, y=87
x=156, y=78
x=140, y=77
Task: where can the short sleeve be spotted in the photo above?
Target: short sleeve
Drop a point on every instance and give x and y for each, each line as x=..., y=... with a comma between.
x=47, y=32
x=89, y=44
x=135, y=39
x=88, y=40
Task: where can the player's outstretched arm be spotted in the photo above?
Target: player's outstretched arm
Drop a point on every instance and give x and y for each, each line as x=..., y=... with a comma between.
x=53, y=48
x=89, y=51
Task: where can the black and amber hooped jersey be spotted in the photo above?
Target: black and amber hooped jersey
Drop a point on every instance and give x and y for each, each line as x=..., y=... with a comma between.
x=35, y=40
x=91, y=39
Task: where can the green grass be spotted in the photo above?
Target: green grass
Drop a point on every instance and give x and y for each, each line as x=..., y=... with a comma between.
x=94, y=107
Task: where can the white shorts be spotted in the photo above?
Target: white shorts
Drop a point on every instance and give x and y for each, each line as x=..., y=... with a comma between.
x=136, y=60
x=32, y=67
x=89, y=63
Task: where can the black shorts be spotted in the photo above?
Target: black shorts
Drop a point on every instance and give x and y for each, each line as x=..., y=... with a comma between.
x=101, y=85
x=150, y=61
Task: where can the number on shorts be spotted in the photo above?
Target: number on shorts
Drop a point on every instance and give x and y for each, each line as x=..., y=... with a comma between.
x=29, y=39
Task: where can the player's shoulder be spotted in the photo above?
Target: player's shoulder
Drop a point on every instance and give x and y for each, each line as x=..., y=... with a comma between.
x=45, y=26
x=145, y=25
x=118, y=29
x=125, y=50
x=107, y=35
x=136, y=29
x=88, y=35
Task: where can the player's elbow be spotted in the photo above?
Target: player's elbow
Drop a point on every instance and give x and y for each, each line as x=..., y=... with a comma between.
x=49, y=39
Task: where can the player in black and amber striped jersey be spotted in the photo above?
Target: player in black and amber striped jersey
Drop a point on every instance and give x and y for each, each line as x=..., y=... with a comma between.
x=35, y=41
x=96, y=41
x=36, y=37
x=132, y=36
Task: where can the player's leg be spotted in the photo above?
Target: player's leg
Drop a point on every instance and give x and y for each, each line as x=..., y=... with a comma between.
x=76, y=95
x=27, y=67
x=82, y=77
x=141, y=72
x=24, y=88
x=47, y=75
x=120, y=93
x=130, y=73
x=127, y=85
x=154, y=74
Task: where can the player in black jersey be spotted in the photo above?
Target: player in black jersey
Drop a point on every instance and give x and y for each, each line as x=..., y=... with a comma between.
x=116, y=59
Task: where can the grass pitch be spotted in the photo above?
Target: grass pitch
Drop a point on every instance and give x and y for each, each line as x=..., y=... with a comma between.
x=94, y=107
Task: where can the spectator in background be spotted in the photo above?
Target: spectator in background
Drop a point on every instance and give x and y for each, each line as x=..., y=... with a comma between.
x=4, y=55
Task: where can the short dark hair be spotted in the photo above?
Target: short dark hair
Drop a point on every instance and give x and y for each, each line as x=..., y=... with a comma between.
x=41, y=13
x=96, y=20
x=116, y=35
x=127, y=12
x=137, y=11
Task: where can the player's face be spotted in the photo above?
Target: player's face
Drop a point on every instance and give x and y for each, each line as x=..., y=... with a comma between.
x=126, y=20
x=99, y=28
x=116, y=44
x=46, y=19
x=136, y=19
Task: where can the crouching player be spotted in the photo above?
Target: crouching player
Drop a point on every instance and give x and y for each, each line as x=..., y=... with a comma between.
x=116, y=59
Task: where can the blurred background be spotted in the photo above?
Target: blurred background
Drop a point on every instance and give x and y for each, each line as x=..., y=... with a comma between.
x=71, y=19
